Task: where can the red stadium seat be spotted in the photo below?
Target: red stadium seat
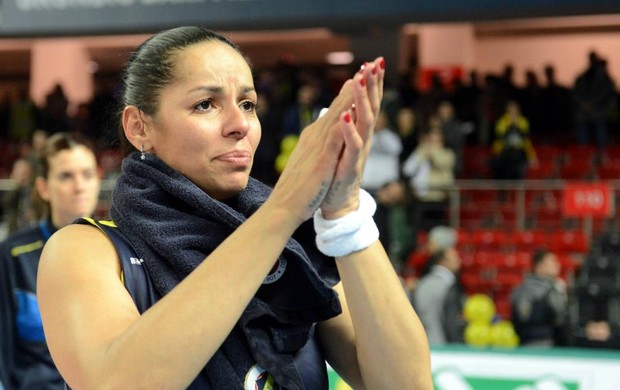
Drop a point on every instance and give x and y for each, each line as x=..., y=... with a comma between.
x=576, y=170
x=548, y=154
x=609, y=172
x=543, y=171
x=529, y=240
x=548, y=218
x=583, y=154
x=485, y=239
x=569, y=241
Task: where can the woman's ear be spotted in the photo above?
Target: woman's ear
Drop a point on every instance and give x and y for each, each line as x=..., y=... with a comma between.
x=134, y=127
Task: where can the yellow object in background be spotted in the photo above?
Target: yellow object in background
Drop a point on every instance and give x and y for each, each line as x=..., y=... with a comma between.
x=478, y=334
x=287, y=145
x=479, y=308
x=503, y=335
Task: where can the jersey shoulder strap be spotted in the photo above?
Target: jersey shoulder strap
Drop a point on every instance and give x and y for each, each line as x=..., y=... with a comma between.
x=133, y=273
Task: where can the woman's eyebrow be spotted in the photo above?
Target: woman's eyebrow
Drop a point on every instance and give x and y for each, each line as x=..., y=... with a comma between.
x=219, y=90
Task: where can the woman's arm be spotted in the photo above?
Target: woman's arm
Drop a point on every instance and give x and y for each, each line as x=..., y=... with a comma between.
x=378, y=341
x=97, y=337
x=95, y=334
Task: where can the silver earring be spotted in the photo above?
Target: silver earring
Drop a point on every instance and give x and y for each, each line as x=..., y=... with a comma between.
x=142, y=155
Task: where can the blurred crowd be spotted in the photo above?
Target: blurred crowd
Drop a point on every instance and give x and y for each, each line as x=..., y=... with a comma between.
x=416, y=156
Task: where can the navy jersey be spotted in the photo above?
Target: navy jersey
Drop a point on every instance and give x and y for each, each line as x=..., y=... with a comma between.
x=309, y=360
x=23, y=350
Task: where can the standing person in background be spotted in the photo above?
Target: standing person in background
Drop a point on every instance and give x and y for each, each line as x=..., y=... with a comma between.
x=556, y=113
x=407, y=130
x=438, y=298
x=594, y=94
x=67, y=181
x=539, y=304
x=205, y=238
x=24, y=117
x=54, y=116
x=454, y=132
x=512, y=150
x=430, y=174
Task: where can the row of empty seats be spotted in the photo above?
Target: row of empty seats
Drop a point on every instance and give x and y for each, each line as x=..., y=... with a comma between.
x=570, y=162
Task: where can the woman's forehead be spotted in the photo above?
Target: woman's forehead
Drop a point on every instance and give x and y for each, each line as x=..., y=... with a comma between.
x=211, y=58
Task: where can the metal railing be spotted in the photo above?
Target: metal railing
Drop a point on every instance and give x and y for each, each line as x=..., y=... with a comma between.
x=515, y=192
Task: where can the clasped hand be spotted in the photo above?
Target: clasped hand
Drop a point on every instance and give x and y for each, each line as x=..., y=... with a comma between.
x=326, y=167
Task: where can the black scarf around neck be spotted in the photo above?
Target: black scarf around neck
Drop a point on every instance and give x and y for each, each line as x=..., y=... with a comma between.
x=174, y=225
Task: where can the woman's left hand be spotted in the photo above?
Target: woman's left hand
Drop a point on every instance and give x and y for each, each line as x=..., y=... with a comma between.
x=358, y=125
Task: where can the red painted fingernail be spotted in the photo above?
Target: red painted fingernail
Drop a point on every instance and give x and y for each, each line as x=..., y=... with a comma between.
x=375, y=70
x=382, y=63
x=362, y=67
x=363, y=81
x=347, y=117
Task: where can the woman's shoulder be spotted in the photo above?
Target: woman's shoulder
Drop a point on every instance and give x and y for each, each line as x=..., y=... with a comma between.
x=76, y=245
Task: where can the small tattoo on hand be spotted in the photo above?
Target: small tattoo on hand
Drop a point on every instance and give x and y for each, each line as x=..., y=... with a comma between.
x=319, y=196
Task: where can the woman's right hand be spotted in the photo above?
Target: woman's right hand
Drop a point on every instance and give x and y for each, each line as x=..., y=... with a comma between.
x=303, y=184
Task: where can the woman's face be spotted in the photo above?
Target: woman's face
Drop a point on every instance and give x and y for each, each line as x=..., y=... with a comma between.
x=206, y=127
x=72, y=185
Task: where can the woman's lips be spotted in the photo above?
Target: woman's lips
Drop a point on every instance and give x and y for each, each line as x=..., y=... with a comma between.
x=236, y=157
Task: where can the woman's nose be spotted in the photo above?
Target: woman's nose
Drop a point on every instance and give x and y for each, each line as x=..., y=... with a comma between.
x=237, y=123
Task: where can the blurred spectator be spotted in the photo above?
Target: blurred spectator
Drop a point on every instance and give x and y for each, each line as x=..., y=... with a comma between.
x=430, y=99
x=530, y=101
x=595, y=98
x=303, y=111
x=381, y=168
x=507, y=90
x=67, y=181
x=23, y=118
x=263, y=167
x=430, y=174
x=441, y=238
x=54, y=116
x=512, y=149
x=454, y=132
x=17, y=203
x=492, y=102
x=407, y=130
x=408, y=87
x=467, y=102
x=555, y=113
x=438, y=298
x=595, y=303
x=37, y=143
x=539, y=304
x=100, y=115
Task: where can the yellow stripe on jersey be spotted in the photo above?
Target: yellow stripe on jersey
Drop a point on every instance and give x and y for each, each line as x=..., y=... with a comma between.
x=21, y=249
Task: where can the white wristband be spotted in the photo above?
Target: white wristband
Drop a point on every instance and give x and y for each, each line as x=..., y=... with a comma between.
x=350, y=233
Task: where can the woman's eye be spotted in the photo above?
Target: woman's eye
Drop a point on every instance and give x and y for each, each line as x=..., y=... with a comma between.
x=248, y=106
x=204, y=105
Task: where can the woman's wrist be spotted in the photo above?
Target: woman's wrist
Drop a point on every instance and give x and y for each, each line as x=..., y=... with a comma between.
x=349, y=233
